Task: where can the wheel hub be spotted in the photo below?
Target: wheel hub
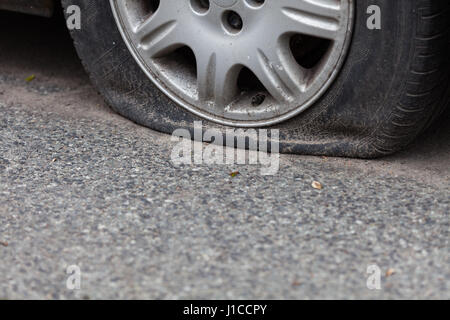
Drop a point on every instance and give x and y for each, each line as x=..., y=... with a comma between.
x=238, y=62
x=225, y=3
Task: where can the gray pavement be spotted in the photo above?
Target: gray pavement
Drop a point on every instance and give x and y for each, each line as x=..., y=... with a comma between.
x=80, y=185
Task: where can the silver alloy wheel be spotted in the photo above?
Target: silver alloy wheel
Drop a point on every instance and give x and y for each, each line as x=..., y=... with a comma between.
x=243, y=63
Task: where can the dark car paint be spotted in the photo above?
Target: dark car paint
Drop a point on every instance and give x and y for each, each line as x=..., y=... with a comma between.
x=38, y=7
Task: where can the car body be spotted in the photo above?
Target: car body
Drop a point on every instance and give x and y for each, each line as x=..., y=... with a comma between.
x=38, y=7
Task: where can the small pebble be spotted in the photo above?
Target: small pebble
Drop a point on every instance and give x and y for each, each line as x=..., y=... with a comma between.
x=317, y=185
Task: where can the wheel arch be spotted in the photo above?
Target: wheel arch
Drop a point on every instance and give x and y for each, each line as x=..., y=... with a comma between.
x=37, y=7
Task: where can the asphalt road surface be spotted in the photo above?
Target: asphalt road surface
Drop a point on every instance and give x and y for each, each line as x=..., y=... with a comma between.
x=80, y=185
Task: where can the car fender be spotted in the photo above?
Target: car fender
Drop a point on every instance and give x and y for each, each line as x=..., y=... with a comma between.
x=38, y=7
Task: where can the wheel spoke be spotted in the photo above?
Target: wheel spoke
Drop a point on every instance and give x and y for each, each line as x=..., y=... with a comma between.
x=225, y=83
x=217, y=79
x=206, y=73
x=279, y=73
x=159, y=34
x=318, y=18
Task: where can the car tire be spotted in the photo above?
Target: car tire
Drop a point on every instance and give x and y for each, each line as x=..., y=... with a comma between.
x=393, y=83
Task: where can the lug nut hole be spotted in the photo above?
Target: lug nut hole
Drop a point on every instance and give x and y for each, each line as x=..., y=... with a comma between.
x=200, y=6
x=233, y=22
x=255, y=3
